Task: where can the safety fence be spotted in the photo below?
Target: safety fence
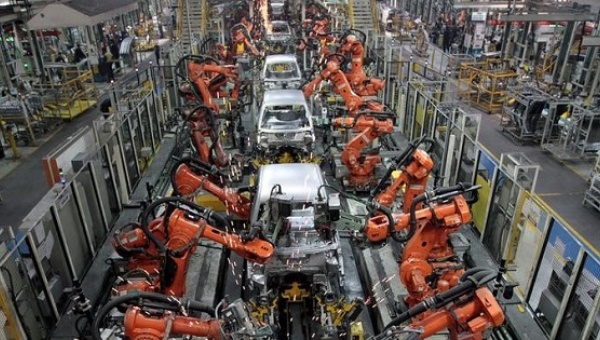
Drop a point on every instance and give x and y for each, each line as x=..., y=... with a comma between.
x=557, y=270
x=44, y=257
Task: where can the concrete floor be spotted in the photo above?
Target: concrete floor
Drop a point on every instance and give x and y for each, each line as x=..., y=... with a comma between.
x=25, y=175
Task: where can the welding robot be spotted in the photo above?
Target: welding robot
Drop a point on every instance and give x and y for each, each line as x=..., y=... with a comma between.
x=430, y=263
x=160, y=249
x=415, y=165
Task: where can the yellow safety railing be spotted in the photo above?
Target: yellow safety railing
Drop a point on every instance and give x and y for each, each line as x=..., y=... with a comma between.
x=483, y=85
x=205, y=16
x=351, y=12
x=375, y=16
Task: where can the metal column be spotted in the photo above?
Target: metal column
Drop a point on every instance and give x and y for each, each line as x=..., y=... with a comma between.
x=563, y=54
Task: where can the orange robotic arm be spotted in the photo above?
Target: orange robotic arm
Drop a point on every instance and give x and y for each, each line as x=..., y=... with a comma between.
x=469, y=320
x=467, y=310
x=201, y=121
x=341, y=85
x=197, y=75
x=453, y=209
x=140, y=326
x=189, y=178
x=416, y=165
x=361, y=167
x=413, y=179
x=253, y=249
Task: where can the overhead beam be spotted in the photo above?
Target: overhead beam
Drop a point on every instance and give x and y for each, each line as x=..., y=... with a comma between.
x=590, y=41
x=487, y=5
x=550, y=17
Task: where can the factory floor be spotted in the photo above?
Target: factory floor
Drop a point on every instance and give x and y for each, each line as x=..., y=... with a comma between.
x=22, y=180
x=562, y=186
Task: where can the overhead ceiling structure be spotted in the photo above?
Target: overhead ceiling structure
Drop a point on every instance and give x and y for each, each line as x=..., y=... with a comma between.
x=554, y=12
x=79, y=13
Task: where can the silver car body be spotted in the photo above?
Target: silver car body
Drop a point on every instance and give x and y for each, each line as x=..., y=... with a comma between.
x=285, y=120
x=279, y=30
x=293, y=193
x=281, y=70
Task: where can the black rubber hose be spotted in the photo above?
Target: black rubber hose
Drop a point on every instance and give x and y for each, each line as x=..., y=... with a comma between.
x=401, y=160
x=213, y=218
x=412, y=229
x=471, y=282
x=196, y=165
x=170, y=303
x=388, y=213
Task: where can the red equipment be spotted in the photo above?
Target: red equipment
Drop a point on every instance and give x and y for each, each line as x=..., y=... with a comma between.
x=427, y=250
x=202, y=123
x=191, y=175
x=332, y=72
x=466, y=320
x=416, y=165
x=161, y=250
x=413, y=179
x=209, y=76
x=140, y=326
x=369, y=128
x=362, y=85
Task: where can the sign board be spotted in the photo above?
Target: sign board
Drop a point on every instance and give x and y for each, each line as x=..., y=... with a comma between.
x=479, y=16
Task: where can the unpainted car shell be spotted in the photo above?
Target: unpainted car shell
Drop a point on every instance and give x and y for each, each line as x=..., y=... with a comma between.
x=270, y=82
x=286, y=137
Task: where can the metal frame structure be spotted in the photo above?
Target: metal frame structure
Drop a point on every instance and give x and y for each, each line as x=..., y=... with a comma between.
x=484, y=84
x=525, y=110
x=573, y=135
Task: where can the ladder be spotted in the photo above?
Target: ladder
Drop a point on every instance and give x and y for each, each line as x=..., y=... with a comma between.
x=362, y=16
x=192, y=21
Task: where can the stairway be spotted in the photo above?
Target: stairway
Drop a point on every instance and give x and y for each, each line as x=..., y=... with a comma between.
x=191, y=21
x=362, y=18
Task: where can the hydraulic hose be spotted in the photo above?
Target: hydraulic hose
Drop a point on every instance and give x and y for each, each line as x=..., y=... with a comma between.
x=213, y=218
x=402, y=160
x=436, y=195
x=168, y=302
x=470, y=283
x=197, y=165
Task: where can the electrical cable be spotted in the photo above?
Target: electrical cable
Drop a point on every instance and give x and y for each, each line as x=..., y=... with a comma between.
x=13, y=297
x=169, y=303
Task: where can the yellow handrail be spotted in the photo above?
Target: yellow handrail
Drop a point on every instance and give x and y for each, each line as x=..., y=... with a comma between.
x=205, y=16
x=351, y=12
x=375, y=16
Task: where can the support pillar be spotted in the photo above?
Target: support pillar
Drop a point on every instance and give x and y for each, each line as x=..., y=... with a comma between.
x=563, y=54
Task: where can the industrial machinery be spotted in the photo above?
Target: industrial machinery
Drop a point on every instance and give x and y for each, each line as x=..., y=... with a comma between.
x=330, y=70
x=301, y=288
x=281, y=71
x=157, y=252
x=201, y=123
x=279, y=38
x=430, y=263
x=522, y=116
x=190, y=175
x=155, y=316
x=361, y=85
x=204, y=78
x=468, y=310
x=415, y=165
x=241, y=41
x=368, y=126
x=285, y=132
